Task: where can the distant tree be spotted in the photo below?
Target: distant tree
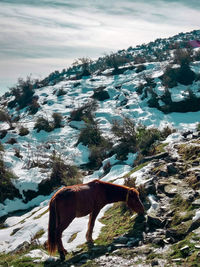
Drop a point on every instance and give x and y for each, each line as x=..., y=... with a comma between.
x=115, y=60
x=5, y=117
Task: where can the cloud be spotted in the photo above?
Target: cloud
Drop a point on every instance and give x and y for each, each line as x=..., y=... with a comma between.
x=63, y=30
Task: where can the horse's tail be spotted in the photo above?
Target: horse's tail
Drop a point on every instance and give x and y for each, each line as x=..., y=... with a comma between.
x=52, y=227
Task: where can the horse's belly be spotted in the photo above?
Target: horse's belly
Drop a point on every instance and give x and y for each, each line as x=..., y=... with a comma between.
x=81, y=213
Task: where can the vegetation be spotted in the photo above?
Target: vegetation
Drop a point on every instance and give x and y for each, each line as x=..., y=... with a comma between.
x=99, y=146
x=23, y=131
x=7, y=189
x=57, y=120
x=132, y=139
x=63, y=173
x=48, y=126
x=5, y=117
x=84, y=113
x=23, y=92
x=43, y=124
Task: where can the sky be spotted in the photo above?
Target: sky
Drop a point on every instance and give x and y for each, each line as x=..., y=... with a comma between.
x=38, y=37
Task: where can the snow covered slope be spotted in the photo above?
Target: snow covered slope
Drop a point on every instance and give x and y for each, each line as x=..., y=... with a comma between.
x=128, y=93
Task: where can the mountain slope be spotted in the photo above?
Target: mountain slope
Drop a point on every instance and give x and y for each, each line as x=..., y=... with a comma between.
x=62, y=128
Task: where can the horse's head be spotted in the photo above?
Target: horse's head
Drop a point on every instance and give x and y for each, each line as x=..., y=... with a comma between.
x=133, y=201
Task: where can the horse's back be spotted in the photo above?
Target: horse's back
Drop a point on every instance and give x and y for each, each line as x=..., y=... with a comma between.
x=80, y=200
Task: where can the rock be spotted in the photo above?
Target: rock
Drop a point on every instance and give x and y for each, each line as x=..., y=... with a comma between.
x=196, y=203
x=22, y=247
x=185, y=134
x=162, y=173
x=77, y=250
x=121, y=240
x=154, y=262
x=150, y=188
x=171, y=169
x=158, y=156
x=158, y=241
x=184, y=248
x=194, y=225
x=133, y=242
x=154, y=222
x=177, y=260
x=171, y=190
x=174, y=234
x=195, y=163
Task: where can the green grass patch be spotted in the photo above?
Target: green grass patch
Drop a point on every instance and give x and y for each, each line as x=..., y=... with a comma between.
x=137, y=168
x=18, y=260
x=40, y=215
x=39, y=234
x=190, y=255
x=72, y=237
x=118, y=220
x=189, y=151
x=160, y=148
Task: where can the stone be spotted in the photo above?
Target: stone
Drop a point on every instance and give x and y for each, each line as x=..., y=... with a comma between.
x=121, y=240
x=184, y=248
x=171, y=169
x=154, y=262
x=158, y=241
x=21, y=247
x=154, y=222
x=174, y=234
x=133, y=242
x=171, y=189
x=195, y=163
x=196, y=202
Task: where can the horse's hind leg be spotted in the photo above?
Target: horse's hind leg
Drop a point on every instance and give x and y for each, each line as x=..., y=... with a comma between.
x=92, y=219
x=59, y=231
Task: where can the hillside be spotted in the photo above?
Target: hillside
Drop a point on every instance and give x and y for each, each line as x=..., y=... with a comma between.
x=129, y=117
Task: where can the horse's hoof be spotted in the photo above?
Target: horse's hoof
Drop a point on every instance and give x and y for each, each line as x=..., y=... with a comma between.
x=90, y=244
x=62, y=256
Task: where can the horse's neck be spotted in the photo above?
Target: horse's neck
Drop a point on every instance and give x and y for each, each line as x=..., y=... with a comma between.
x=115, y=193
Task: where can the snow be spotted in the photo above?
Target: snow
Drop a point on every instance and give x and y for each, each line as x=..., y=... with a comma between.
x=197, y=216
x=39, y=147
x=154, y=205
x=142, y=175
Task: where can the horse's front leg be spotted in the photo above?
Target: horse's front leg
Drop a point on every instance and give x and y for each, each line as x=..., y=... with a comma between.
x=92, y=219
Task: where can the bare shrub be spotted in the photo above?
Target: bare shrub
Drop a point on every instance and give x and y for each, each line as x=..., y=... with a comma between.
x=63, y=173
x=85, y=112
x=12, y=141
x=43, y=124
x=5, y=117
x=126, y=134
x=23, y=131
x=57, y=118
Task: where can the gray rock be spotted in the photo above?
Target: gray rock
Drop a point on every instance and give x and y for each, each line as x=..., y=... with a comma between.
x=154, y=263
x=22, y=247
x=158, y=241
x=171, y=169
x=121, y=240
x=196, y=203
x=133, y=242
x=171, y=189
x=154, y=221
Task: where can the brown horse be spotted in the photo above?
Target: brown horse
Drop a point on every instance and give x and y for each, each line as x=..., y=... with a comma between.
x=80, y=200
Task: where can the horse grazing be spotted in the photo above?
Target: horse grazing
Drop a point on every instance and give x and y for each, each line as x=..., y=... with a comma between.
x=80, y=200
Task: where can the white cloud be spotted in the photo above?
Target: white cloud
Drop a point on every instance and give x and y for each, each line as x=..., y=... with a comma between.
x=64, y=30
